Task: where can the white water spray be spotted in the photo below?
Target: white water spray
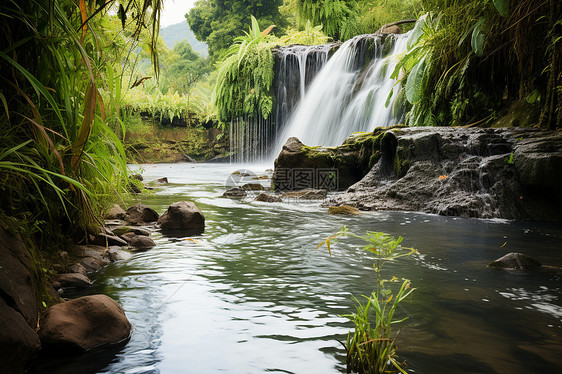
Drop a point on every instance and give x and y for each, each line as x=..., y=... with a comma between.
x=334, y=106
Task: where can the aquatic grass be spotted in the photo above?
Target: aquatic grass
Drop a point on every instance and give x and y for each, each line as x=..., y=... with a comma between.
x=371, y=347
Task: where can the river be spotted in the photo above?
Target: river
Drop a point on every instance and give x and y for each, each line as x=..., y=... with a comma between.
x=252, y=295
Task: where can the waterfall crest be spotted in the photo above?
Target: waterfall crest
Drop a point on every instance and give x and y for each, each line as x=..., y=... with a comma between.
x=349, y=94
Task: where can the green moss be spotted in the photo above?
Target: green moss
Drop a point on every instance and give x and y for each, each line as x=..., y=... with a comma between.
x=343, y=210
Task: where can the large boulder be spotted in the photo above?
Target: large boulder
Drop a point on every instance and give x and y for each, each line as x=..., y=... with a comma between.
x=82, y=324
x=300, y=167
x=182, y=217
x=18, y=305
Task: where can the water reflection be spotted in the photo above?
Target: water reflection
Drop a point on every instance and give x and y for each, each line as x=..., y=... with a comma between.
x=251, y=295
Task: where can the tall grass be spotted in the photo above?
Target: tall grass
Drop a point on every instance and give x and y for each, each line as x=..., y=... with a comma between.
x=61, y=159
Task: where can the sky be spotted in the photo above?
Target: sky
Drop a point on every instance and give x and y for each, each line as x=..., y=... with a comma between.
x=174, y=11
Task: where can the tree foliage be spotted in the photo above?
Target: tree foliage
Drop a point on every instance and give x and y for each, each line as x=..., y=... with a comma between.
x=469, y=61
x=218, y=22
x=343, y=19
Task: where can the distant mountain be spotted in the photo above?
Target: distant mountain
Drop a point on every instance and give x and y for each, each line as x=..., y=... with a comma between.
x=181, y=31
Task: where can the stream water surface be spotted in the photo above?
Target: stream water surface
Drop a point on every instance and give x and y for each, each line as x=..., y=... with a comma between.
x=252, y=295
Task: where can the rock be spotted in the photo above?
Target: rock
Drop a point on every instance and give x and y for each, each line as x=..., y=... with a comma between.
x=117, y=254
x=140, y=214
x=163, y=180
x=73, y=280
x=140, y=242
x=76, y=268
x=268, y=198
x=394, y=29
x=253, y=187
x=17, y=281
x=97, y=251
x=111, y=223
x=508, y=173
x=301, y=167
x=18, y=305
x=92, y=264
x=343, y=210
x=137, y=177
x=126, y=229
x=308, y=194
x=182, y=217
x=235, y=193
x=19, y=342
x=515, y=261
x=116, y=212
x=82, y=324
x=107, y=240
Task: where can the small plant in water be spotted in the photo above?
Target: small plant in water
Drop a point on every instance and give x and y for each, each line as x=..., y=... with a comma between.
x=371, y=347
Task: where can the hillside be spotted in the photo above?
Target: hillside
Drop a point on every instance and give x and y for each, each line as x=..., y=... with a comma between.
x=180, y=31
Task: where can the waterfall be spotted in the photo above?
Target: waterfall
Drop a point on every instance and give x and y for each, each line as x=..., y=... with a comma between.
x=252, y=138
x=296, y=66
x=349, y=94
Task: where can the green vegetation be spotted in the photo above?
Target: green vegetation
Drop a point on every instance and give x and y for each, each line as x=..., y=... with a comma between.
x=244, y=78
x=61, y=158
x=371, y=348
x=469, y=61
x=343, y=19
x=218, y=22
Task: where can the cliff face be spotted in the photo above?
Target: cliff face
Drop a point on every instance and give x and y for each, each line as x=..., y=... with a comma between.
x=468, y=172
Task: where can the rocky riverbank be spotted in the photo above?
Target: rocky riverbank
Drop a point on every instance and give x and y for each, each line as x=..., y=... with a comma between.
x=70, y=327
x=509, y=173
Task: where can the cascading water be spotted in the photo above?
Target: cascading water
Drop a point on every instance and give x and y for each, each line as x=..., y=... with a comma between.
x=252, y=138
x=346, y=96
x=297, y=66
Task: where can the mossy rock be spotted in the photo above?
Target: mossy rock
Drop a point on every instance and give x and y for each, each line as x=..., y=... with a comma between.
x=343, y=210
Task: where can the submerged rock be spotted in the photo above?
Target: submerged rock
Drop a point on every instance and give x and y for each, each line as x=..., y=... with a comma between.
x=82, y=324
x=268, y=198
x=253, y=187
x=343, y=210
x=515, y=261
x=140, y=242
x=308, y=194
x=235, y=193
x=182, y=217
